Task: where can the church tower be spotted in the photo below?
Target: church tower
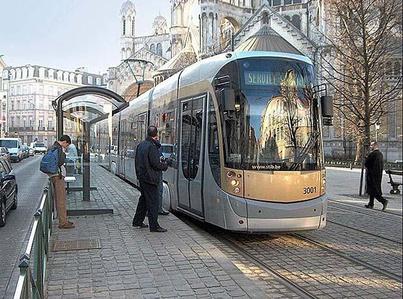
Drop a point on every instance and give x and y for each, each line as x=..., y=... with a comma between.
x=127, y=29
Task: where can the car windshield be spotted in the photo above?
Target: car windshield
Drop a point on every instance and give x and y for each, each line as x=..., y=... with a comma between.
x=275, y=122
x=8, y=143
x=166, y=149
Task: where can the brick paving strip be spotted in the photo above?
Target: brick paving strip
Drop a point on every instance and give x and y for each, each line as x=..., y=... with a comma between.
x=134, y=263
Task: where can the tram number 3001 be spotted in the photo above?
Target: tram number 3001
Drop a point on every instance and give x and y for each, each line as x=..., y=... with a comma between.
x=309, y=190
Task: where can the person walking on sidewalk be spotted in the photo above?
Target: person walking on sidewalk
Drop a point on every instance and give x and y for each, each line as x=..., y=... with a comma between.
x=58, y=182
x=374, y=167
x=149, y=167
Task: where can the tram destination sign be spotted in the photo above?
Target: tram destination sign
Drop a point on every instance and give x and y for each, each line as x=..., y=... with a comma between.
x=260, y=78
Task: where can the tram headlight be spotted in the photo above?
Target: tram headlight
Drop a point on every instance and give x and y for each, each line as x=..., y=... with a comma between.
x=234, y=183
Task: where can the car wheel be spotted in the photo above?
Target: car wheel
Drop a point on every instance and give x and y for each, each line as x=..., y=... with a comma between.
x=15, y=202
x=2, y=213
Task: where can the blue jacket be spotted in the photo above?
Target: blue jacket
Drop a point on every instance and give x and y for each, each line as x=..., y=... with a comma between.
x=148, y=163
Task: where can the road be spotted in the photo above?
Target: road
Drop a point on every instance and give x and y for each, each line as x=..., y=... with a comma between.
x=14, y=236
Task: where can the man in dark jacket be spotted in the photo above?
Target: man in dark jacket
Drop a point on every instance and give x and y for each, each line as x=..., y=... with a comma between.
x=58, y=182
x=374, y=166
x=149, y=166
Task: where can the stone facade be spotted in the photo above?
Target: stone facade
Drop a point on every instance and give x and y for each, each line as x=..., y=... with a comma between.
x=30, y=90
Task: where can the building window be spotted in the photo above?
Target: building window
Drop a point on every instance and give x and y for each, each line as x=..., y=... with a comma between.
x=276, y=2
x=98, y=80
x=287, y=2
x=90, y=80
x=124, y=26
x=159, y=49
x=152, y=48
x=296, y=21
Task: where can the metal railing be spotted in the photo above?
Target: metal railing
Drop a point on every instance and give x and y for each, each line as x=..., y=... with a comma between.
x=31, y=282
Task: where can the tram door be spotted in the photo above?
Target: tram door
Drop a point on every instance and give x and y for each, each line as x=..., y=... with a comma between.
x=190, y=170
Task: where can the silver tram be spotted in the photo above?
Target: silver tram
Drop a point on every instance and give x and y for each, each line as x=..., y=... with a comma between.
x=244, y=133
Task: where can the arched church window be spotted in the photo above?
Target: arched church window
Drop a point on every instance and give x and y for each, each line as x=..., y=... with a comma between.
x=159, y=49
x=152, y=48
x=296, y=21
x=133, y=33
x=124, y=25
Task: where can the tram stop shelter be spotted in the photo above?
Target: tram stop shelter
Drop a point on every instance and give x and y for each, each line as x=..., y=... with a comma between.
x=85, y=114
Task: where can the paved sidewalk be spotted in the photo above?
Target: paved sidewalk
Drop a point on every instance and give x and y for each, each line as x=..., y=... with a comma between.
x=134, y=263
x=343, y=185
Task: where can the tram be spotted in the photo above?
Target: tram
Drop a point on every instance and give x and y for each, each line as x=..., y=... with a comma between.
x=244, y=133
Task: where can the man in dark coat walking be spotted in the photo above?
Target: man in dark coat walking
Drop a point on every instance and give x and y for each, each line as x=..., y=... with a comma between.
x=149, y=166
x=374, y=166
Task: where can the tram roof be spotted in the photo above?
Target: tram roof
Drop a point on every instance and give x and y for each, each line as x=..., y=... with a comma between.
x=206, y=69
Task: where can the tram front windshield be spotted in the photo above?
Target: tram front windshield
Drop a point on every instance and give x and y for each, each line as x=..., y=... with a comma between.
x=274, y=123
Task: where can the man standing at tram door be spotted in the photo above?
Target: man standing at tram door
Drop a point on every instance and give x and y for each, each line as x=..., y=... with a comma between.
x=374, y=166
x=148, y=170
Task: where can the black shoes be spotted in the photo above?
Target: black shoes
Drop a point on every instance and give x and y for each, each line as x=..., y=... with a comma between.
x=385, y=204
x=143, y=225
x=158, y=230
x=163, y=213
x=369, y=207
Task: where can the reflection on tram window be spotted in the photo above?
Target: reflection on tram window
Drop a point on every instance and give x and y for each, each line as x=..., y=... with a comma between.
x=213, y=146
x=275, y=116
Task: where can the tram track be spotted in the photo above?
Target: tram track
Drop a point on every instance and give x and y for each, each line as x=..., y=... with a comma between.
x=385, y=229
x=350, y=258
x=304, y=267
x=368, y=212
x=289, y=284
x=365, y=232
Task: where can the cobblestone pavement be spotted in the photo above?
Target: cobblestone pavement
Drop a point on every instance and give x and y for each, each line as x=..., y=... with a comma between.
x=321, y=273
x=371, y=221
x=14, y=236
x=135, y=263
x=194, y=260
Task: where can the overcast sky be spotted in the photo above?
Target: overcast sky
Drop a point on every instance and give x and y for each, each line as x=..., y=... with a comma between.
x=67, y=34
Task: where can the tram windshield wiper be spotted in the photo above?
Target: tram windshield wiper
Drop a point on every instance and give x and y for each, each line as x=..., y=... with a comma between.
x=305, y=151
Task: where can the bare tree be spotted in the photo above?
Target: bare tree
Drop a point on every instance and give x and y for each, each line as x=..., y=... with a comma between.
x=365, y=36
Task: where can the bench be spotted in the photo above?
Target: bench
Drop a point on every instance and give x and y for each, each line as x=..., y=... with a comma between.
x=68, y=180
x=395, y=184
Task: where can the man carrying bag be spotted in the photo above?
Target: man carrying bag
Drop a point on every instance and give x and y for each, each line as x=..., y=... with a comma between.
x=52, y=164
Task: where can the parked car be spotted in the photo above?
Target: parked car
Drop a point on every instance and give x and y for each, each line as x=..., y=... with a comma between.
x=31, y=151
x=14, y=146
x=25, y=151
x=40, y=148
x=8, y=190
x=5, y=154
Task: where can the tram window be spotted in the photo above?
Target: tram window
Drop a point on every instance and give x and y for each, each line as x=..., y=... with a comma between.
x=213, y=146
